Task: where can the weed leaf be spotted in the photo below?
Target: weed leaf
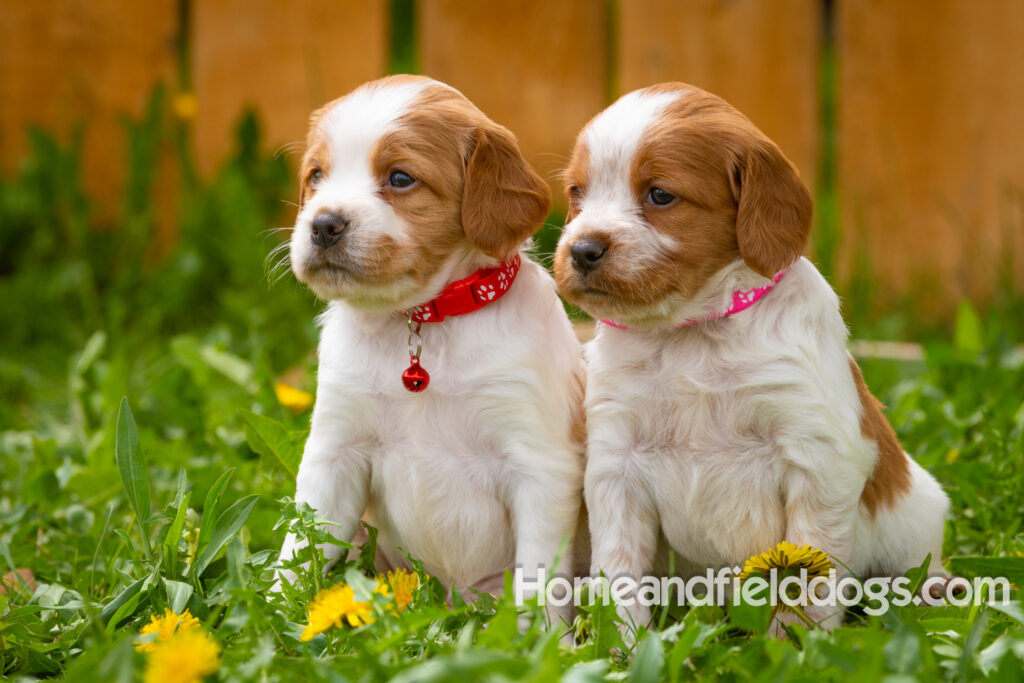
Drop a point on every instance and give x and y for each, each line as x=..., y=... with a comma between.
x=271, y=440
x=227, y=526
x=131, y=463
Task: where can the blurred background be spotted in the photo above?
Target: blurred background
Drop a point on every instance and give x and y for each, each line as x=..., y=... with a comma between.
x=148, y=158
x=148, y=152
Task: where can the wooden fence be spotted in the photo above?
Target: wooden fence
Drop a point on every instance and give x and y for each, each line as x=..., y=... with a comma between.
x=929, y=164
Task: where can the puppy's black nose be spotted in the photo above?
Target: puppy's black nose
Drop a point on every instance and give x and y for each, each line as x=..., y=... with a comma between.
x=586, y=253
x=328, y=228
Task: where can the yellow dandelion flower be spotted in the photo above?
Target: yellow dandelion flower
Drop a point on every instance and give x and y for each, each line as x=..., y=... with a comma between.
x=333, y=607
x=294, y=399
x=185, y=658
x=788, y=559
x=403, y=582
x=164, y=627
x=185, y=106
x=786, y=556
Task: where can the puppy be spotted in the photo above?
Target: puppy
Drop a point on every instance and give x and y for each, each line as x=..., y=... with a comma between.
x=450, y=383
x=724, y=413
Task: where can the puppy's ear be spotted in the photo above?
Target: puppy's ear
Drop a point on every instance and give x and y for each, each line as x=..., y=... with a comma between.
x=773, y=218
x=504, y=200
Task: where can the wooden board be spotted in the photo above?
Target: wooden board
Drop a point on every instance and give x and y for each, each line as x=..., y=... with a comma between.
x=283, y=59
x=760, y=55
x=931, y=147
x=537, y=67
x=88, y=61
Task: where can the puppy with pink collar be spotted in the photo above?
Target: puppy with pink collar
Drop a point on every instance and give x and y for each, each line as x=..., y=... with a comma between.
x=724, y=414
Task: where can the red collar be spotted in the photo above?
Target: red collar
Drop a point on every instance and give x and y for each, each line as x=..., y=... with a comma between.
x=469, y=294
x=459, y=298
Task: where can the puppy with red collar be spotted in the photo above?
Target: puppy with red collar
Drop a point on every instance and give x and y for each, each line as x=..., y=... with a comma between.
x=724, y=414
x=450, y=383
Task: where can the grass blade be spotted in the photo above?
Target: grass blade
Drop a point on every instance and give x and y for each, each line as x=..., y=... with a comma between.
x=173, y=536
x=210, y=505
x=228, y=525
x=131, y=463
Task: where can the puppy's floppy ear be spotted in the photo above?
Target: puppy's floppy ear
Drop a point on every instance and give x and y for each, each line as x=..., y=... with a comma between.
x=504, y=201
x=773, y=218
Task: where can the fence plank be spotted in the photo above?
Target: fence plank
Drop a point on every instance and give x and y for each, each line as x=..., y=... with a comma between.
x=283, y=59
x=88, y=61
x=760, y=55
x=537, y=67
x=931, y=147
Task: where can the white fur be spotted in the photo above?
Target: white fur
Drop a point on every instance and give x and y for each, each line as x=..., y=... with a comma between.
x=609, y=203
x=476, y=474
x=718, y=440
x=353, y=126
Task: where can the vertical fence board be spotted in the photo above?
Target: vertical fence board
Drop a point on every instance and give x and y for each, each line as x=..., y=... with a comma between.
x=87, y=61
x=283, y=59
x=537, y=67
x=760, y=55
x=932, y=147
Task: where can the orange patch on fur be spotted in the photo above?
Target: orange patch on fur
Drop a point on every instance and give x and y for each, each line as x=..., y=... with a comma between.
x=474, y=187
x=504, y=201
x=577, y=392
x=891, y=478
x=739, y=197
x=317, y=157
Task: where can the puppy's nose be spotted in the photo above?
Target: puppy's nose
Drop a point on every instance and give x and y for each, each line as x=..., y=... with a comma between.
x=586, y=253
x=328, y=228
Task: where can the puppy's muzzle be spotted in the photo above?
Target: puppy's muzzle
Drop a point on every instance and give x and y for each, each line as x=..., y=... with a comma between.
x=327, y=229
x=587, y=254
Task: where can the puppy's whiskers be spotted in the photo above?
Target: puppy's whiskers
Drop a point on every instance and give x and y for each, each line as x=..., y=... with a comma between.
x=278, y=262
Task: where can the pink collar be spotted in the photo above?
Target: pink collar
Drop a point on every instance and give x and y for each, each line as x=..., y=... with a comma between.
x=741, y=301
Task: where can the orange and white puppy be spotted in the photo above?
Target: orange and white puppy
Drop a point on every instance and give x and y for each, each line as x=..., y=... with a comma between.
x=406, y=188
x=724, y=413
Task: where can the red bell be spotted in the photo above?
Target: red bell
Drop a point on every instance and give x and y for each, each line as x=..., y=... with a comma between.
x=415, y=378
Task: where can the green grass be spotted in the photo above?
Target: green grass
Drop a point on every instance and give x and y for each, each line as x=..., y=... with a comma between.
x=180, y=495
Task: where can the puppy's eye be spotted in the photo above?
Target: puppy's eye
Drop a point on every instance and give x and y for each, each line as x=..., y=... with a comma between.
x=316, y=176
x=659, y=197
x=400, y=180
x=575, y=192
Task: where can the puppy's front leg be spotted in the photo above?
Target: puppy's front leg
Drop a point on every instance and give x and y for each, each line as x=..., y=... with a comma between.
x=821, y=513
x=334, y=480
x=546, y=507
x=623, y=528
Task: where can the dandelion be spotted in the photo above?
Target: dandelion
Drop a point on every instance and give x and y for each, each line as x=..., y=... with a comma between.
x=186, y=657
x=185, y=106
x=165, y=626
x=294, y=399
x=788, y=559
x=403, y=583
x=333, y=607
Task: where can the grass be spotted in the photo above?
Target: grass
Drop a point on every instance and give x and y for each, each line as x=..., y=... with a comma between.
x=178, y=496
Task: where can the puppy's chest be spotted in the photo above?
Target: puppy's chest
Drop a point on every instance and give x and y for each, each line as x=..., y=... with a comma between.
x=437, y=490
x=692, y=405
x=427, y=438
x=703, y=440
